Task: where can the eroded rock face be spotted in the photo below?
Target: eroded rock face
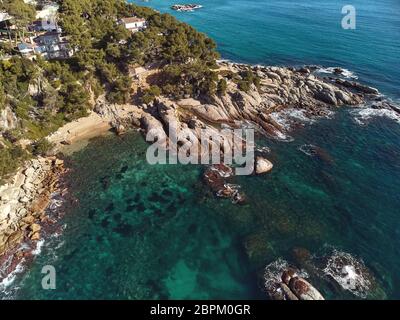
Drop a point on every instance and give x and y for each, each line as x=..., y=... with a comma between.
x=24, y=199
x=8, y=120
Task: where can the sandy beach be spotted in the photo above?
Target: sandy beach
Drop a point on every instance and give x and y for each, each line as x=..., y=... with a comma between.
x=75, y=135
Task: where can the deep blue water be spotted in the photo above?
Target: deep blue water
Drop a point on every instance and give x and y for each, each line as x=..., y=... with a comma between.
x=139, y=231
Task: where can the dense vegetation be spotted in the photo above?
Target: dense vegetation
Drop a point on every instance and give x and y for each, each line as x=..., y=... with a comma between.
x=22, y=13
x=46, y=94
x=107, y=49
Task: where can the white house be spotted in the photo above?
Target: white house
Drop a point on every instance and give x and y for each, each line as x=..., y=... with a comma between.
x=4, y=16
x=53, y=46
x=45, y=25
x=134, y=24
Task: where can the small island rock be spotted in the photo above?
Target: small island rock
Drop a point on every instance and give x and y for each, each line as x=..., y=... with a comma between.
x=263, y=165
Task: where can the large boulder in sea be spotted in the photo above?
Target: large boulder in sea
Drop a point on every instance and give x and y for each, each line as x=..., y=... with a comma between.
x=285, y=282
x=304, y=290
x=263, y=165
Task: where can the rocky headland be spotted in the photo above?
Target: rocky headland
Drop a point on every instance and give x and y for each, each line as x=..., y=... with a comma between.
x=285, y=99
x=280, y=91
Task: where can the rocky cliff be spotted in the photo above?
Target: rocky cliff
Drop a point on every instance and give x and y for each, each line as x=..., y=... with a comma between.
x=24, y=199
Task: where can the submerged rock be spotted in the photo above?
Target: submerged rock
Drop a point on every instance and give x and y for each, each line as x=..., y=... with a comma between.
x=215, y=177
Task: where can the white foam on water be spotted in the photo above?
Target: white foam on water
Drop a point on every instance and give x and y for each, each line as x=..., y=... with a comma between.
x=363, y=115
x=6, y=282
x=273, y=274
x=232, y=186
x=55, y=204
x=225, y=174
x=344, y=72
x=39, y=246
x=298, y=114
x=280, y=118
x=351, y=274
x=288, y=117
x=263, y=149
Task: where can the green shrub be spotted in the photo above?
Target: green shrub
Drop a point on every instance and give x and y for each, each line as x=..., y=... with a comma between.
x=10, y=159
x=150, y=94
x=244, y=85
x=42, y=147
x=222, y=86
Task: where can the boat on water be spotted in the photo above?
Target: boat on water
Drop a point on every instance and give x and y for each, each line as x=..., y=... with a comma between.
x=186, y=7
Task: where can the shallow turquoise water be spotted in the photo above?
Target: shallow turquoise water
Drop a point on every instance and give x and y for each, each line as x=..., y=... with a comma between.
x=141, y=231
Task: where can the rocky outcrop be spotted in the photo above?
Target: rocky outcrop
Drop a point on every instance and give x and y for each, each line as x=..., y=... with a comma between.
x=303, y=289
x=263, y=165
x=24, y=200
x=119, y=115
x=8, y=119
x=357, y=87
x=280, y=89
x=217, y=176
x=185, y=7
x=285, y=283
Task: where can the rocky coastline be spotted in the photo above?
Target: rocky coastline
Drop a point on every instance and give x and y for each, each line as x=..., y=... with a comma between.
x=285, y=99
x=294, y=94
x=281, y=89
x=23, y=205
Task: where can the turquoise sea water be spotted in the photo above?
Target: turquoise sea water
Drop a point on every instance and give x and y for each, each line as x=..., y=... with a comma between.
x=139, y=231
